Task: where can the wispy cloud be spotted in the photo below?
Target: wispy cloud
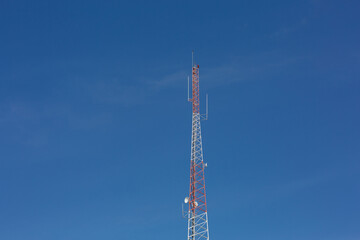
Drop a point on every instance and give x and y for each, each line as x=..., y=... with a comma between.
x=32, y=124
x=115, y=92
x=260, y=67
x=19, y=118
x=23, y=115
x=170, y=80
x=284, y=31
x=109, y=86
x=291, y=187
x=285, y=189
x=246, y=68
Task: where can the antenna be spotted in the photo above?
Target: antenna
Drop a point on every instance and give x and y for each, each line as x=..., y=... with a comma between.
x=205, y=115
x=183, y=213
x=207, y=107
x=186, y=201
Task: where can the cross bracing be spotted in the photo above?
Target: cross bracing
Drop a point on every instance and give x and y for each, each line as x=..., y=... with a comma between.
x=197, y=215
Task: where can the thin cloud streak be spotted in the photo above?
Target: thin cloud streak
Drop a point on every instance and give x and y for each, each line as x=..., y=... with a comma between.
x=249, y=68
x=274, y=192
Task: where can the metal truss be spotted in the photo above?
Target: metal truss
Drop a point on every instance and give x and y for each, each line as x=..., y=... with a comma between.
x=197, y=214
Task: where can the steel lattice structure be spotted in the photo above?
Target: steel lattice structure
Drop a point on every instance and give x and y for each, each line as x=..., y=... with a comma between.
x=197, y=214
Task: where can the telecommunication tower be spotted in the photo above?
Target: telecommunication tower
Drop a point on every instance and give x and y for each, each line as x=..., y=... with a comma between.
x=197, y=211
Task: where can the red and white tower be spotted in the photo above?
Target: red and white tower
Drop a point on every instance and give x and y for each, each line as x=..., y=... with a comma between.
x=197, y=213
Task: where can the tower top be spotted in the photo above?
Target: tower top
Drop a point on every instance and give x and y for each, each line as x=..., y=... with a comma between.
x=195, y=90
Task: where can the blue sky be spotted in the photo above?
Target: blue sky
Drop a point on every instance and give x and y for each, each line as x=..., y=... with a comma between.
x=95, y=126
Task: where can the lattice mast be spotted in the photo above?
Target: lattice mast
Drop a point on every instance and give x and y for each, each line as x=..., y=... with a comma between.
x=197, y=213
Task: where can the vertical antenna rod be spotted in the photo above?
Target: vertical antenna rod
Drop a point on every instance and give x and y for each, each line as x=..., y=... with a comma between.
x=207, y=107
